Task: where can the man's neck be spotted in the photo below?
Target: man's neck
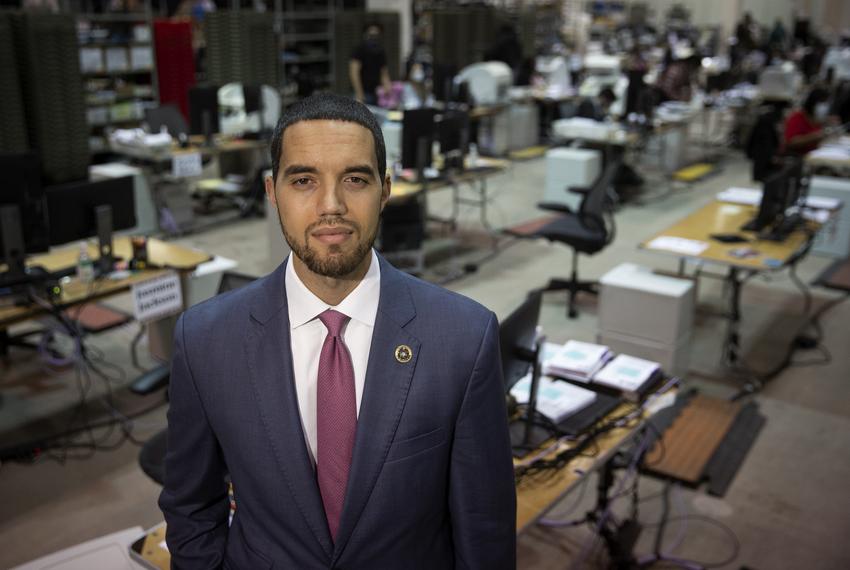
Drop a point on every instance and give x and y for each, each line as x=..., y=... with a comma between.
x=331, y=290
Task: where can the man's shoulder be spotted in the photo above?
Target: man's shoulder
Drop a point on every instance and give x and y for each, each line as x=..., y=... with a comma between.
x=226, y=307
x=431, y=299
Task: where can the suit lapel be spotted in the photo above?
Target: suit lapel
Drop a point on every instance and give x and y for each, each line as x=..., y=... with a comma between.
x=384, y=395
x=267, y=347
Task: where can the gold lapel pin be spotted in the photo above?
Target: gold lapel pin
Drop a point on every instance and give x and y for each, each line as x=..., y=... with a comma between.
x=403, y=353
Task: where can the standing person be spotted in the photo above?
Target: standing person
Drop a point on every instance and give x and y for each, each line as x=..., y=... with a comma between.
x=367, y=68
x=804, y=127
x=358, y=411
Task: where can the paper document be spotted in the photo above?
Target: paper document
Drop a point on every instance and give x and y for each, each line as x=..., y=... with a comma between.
x=823, y=202
x=679, y=245
x=626, y=373
x=745, y=196
x=831, y=153
x=557, y=400
x=577, y=360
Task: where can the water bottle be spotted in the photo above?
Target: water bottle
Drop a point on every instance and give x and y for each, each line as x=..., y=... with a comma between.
x=85, y=265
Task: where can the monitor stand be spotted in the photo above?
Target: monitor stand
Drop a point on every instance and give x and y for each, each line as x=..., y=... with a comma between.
x=525, y=435
x=106, y=259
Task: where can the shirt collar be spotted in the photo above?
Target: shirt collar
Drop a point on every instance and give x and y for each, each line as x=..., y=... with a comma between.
x=361, y=304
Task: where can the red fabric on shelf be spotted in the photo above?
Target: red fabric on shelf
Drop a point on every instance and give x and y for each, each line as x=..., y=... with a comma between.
x=175, y=62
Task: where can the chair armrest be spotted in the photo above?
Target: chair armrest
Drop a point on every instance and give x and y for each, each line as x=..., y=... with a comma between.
x=578, y=189
x=555, y=207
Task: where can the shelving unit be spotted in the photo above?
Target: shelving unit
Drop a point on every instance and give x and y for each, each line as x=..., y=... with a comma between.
x=118, y=67
x=306, y=47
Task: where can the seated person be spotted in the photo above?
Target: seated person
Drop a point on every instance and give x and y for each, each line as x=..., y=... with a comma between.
x=804, y=126
x=597, y=109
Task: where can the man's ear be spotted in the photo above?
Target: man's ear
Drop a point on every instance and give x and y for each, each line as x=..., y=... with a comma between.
x=385, y=191
x=269, y=184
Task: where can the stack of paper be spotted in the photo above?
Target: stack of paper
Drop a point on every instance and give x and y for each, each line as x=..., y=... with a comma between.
x=736, y=195
x=555, y=399
x=627, y=374
x=577, y=360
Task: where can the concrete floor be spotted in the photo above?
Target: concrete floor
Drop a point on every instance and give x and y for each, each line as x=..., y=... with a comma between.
x=788, y=507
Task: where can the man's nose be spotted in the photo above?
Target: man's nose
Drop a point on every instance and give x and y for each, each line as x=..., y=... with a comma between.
x=332, y=201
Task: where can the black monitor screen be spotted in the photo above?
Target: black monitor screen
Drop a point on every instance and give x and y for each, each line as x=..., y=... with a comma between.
x=517, y=334
x=417, y=125
x=21, y=186
x=203, y=110
x=71, y=207
x=443, y=82
x=167, y=116
x=453, y=131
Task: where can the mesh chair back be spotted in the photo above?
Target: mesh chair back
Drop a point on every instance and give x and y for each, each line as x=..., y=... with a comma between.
x=592, y=208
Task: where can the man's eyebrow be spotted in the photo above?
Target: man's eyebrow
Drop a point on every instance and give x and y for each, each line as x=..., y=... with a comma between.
x=359, y=169
x=299, y=169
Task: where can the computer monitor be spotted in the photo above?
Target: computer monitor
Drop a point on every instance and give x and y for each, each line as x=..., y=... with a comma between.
x=23, y=212
x=453, y=134
x=80, y=210
x=417, y=135
x=203, y=110
x=517, y=336
x=773, y=201
x=167, y=116
x=442, y=82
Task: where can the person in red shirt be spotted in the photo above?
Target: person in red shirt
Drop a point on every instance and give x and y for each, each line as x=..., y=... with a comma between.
x=804, y=127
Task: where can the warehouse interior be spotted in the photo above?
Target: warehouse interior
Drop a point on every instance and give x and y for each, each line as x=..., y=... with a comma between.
x=701, y=146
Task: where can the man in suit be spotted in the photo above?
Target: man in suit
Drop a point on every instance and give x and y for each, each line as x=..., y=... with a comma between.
x=358, y=411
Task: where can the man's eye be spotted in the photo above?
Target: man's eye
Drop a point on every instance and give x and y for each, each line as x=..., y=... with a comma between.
x=357, y=180
x=300, y=181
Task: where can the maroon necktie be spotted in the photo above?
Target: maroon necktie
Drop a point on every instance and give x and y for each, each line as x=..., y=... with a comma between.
x=336, y=415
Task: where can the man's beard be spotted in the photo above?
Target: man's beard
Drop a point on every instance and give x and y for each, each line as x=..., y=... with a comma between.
x=336, y=265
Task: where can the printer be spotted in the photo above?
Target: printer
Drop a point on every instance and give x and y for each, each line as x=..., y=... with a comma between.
x=780, y=81
x=488, y=81
x=555, y=71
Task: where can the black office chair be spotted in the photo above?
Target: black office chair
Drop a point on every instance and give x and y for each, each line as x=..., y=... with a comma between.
x=587, y=231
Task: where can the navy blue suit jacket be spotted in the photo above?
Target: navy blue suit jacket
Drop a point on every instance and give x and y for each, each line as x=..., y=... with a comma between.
x=431, y=483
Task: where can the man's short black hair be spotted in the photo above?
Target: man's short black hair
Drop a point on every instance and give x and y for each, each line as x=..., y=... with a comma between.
x=815, y=96
x=329, y=107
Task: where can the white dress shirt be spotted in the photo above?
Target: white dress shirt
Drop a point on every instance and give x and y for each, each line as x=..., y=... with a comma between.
x=307, y=334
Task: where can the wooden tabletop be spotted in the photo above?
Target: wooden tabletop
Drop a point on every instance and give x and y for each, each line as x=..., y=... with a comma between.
x=76, y=293
x=401, y=190
x=536, y=496
x=196, y=144
x=724, y=218
x=160, y=253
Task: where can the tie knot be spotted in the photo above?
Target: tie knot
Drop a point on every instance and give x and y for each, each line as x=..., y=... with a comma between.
x=334, y=321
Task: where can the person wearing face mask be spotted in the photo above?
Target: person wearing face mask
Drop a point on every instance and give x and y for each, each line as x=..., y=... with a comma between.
x=417, y=93
x=367, y=68
x=804, y=128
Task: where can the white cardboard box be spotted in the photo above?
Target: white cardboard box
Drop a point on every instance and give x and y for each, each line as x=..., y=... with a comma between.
x=636, y=302
x=834, y=239
x=569, y=167
x=673, y=358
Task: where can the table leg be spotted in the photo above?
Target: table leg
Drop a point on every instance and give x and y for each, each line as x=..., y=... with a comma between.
x=733, y=339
